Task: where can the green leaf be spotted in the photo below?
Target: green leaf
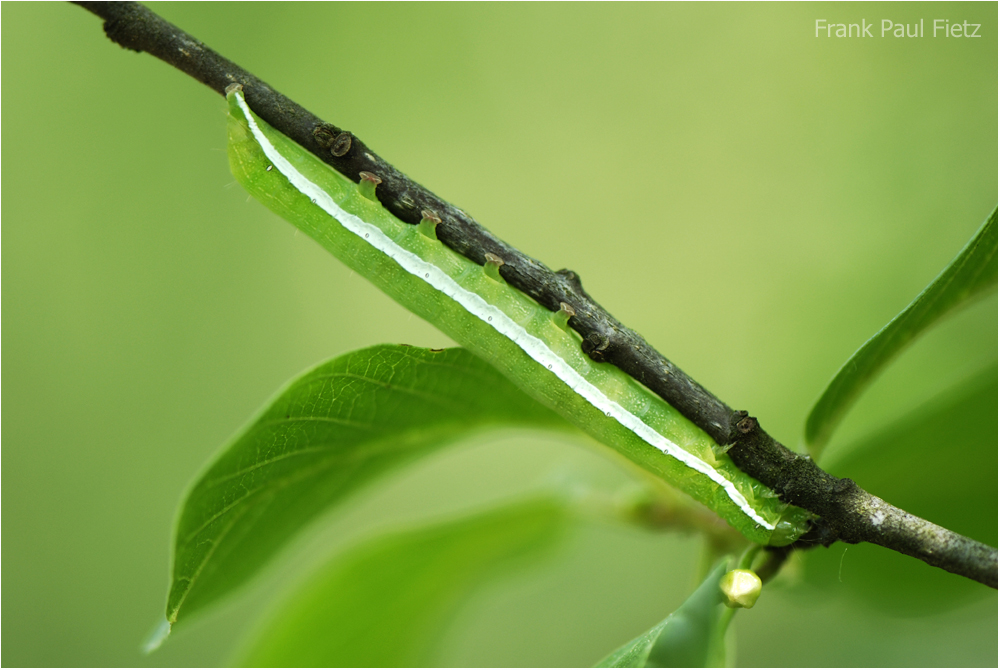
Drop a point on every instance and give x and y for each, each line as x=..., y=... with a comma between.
x=387, y=602
x=972, y=272
x=940, y=463
x=326, y=434
x=691, y=637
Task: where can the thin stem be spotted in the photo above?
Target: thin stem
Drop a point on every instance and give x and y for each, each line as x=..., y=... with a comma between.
x=774, y=558
x=747, y=559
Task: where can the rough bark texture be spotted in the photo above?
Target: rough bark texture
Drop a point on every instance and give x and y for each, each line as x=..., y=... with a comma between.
x=849, y=513
x=845, y=511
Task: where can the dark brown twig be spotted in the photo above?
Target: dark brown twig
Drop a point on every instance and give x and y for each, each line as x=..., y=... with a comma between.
x=845, y=511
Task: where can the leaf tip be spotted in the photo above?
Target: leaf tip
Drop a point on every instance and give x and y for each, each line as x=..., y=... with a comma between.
x=155, y=639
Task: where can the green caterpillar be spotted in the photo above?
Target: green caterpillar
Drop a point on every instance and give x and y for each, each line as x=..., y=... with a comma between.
x=475, y=307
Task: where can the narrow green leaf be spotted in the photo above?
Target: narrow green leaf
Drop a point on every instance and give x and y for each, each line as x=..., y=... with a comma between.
x=691, y=637
x=388, y=602
x=326, y=434
x=940, y=463
x=972, y=272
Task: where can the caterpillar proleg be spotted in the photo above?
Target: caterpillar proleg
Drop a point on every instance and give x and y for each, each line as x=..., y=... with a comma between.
x=475, y=307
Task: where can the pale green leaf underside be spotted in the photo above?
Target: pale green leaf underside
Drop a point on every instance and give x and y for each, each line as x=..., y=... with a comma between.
x=388, y=602
x=691, y=637
x=329, y=432
x=972, y=272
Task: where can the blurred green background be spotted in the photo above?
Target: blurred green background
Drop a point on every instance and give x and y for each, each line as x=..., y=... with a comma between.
x=754, y=200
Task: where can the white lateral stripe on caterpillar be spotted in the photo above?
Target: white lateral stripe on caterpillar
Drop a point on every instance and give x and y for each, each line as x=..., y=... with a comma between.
x=482, y=310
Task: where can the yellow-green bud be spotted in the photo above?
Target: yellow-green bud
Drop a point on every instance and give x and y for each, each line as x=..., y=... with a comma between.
x=740, y=588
